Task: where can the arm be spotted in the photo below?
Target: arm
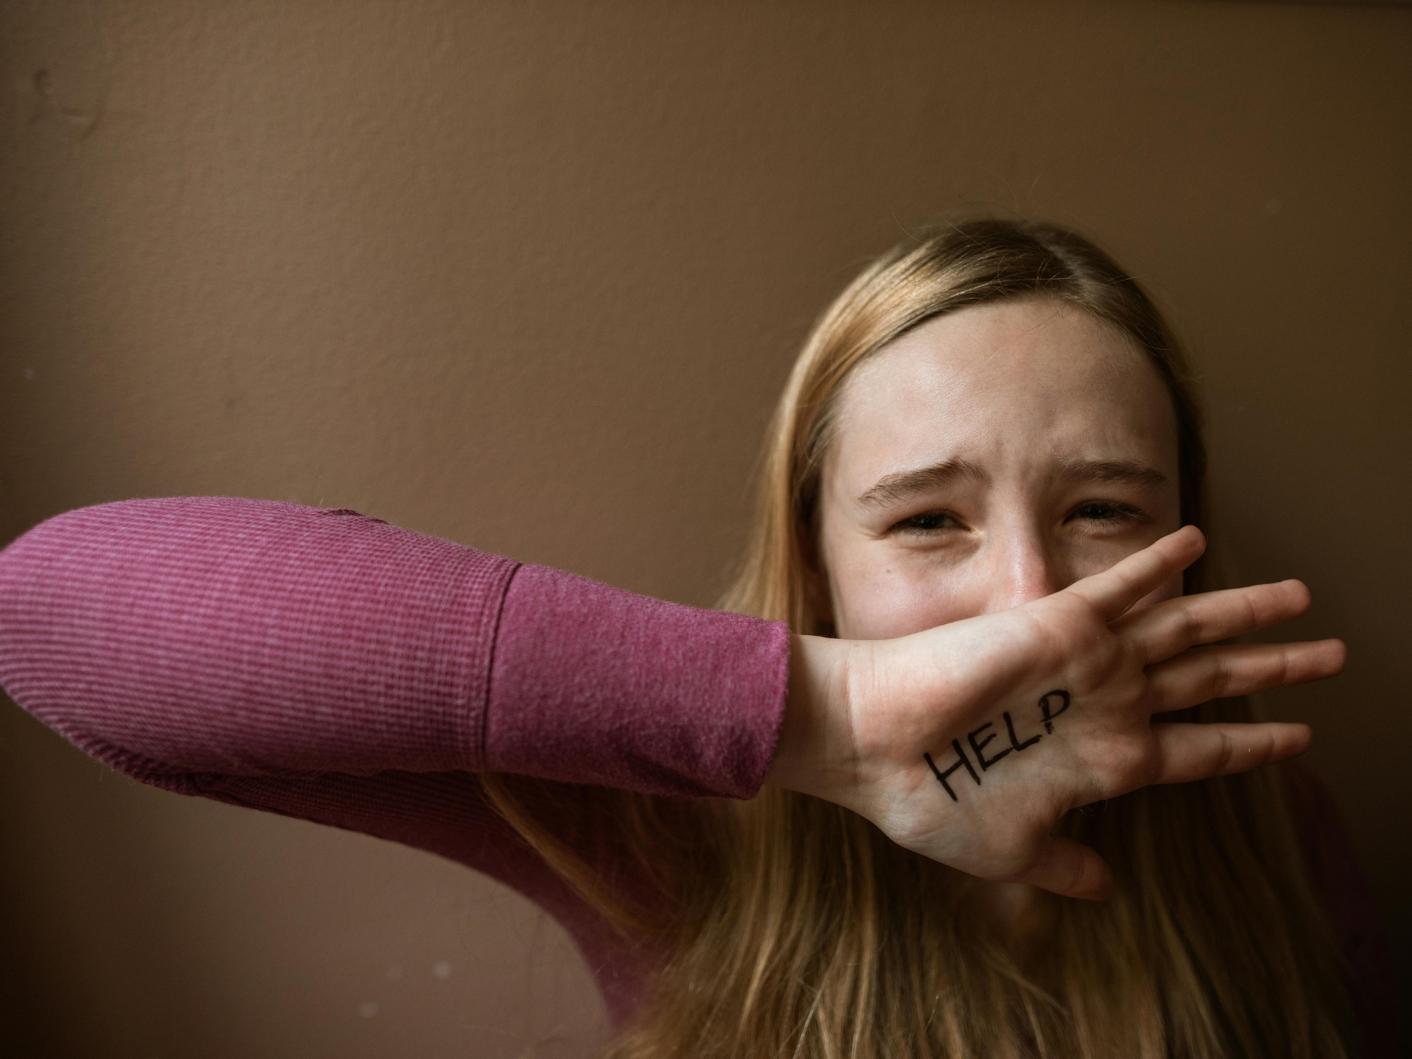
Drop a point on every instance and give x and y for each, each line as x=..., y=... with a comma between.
x=208, y=643
x=180, y=639
x=327, y=666
x=320, y=664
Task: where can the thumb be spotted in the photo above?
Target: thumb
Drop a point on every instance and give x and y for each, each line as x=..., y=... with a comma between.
x=1070, y=869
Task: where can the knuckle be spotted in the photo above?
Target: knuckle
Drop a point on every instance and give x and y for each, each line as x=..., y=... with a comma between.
x=1218, y=675
x=1188, y=626
x=1252, y=611
x=1222, y=753
x=1131, y=765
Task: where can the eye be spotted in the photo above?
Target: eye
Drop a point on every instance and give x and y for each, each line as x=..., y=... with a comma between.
x=922, y=525
x=1108, y=511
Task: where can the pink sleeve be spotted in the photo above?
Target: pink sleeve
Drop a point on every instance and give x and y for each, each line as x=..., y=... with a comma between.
x=194, y=636
x=323, y=664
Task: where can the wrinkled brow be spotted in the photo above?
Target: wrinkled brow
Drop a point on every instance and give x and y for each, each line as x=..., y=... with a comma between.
x=1129, y=472
x=903, y=485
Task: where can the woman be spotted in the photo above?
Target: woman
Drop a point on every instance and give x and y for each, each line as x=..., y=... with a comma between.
x=559, y=734
x=989, y=412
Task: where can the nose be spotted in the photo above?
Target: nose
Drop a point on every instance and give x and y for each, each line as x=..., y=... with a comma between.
x=1022, y=568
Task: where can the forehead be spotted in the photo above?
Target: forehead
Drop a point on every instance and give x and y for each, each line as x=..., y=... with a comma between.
x=1012, y=385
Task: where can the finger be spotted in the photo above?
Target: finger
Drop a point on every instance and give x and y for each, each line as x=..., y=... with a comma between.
x=1205, y=673
x=1188, y=752
x=1170, y=627
x=1113, y=591
x=1070, y=869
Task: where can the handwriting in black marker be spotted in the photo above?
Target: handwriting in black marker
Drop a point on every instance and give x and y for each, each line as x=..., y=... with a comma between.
x=1051, y=705
x=1050, y=714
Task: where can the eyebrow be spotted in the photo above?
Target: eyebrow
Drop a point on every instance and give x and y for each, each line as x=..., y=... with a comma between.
x=902, y=485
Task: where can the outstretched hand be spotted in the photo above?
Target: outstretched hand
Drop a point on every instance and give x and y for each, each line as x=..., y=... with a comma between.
x=968, y=742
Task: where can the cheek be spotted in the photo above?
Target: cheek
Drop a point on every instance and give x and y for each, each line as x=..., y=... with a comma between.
x=885, y=604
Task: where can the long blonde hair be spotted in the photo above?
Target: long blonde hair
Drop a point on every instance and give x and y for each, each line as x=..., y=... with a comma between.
x=792, y=927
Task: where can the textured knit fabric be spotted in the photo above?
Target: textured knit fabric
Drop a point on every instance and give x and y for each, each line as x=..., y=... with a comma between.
x=326, y=665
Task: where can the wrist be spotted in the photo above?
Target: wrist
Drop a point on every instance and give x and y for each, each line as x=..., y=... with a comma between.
x=815, y=749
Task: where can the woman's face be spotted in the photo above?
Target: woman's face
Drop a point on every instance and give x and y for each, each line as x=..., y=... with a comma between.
x=988, y=457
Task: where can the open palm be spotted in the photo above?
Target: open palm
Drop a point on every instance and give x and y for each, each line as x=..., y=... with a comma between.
x=967, y=742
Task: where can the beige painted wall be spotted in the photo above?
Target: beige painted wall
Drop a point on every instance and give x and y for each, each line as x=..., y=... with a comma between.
x=529, y=275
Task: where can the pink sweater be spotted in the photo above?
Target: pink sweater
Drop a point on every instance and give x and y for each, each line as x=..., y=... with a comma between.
x=322, y=664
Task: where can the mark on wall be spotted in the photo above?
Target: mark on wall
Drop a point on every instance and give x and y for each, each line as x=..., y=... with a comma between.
x=46, y=106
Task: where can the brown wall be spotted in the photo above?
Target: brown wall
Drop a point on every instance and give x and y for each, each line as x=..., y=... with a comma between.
x=529, y=275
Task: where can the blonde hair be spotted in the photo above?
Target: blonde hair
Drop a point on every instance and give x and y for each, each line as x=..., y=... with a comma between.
x=790, y=926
